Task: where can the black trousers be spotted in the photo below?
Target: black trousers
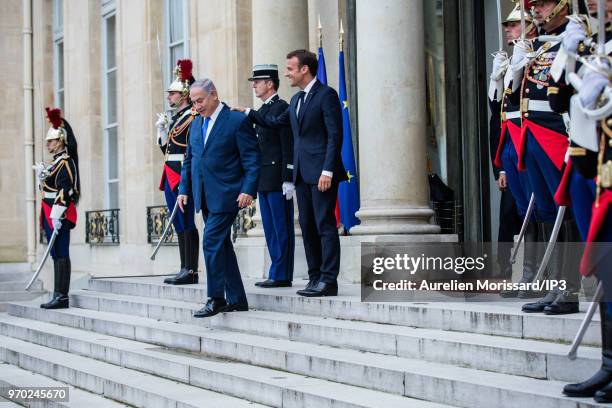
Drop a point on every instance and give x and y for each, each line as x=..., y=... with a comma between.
x=319, y=232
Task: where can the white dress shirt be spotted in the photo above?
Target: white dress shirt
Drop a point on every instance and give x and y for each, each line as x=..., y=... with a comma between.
x=213, y=119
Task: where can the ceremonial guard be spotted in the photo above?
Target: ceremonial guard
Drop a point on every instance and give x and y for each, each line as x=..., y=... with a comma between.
x=542, y=150
x=60, y=185
x=505, y=143
x=588, y=178
x=276, y=189
x=173, y=138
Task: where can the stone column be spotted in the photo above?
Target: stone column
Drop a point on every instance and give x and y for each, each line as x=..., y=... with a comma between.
x=392, y=142
x=279, y=26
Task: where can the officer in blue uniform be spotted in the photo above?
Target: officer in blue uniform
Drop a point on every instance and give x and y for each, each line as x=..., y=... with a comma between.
x=505, y=156
x=276, y=189
x=60, y=186
x=173, y=138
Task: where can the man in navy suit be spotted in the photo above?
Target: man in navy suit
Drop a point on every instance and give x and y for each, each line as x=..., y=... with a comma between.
x=220, y=172
x=315, y=118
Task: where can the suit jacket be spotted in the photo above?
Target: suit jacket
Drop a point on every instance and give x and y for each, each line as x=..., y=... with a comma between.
x=276, y=148
x=215, y=174
x=317, y=133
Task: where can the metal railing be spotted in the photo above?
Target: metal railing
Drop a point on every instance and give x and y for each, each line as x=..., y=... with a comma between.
x=102, y=227
x=157, y=219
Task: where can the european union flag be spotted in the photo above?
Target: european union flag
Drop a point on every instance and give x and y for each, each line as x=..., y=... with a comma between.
x=348, y=191
x=321, y=71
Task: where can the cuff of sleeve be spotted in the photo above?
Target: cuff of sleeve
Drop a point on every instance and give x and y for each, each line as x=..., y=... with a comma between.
x=502, y=172
x=57, y=211
x=247, y=111
x=327, y=173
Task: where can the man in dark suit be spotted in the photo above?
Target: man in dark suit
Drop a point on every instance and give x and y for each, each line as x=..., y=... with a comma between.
x=316, y=121
x=276, y=188
x=220, y=172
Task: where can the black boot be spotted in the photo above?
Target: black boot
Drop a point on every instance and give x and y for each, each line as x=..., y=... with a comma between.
x=188, y=274
x=601, y=379
x=181, y=244
x=60, y=299
x=530, y=267
x=56, y=284
x=537, y=307
x=569, y=253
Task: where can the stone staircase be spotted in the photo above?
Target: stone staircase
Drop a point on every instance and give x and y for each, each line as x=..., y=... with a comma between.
x=134, y=341
x=13, y=279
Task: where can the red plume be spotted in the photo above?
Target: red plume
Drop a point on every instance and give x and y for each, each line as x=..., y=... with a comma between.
x=528, y=4
x=186, y=67
x=55, y=117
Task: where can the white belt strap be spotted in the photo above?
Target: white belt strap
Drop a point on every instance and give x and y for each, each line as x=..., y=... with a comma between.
x=50, y=194
x=540, y=106
x=512, y=115
x=175, y=157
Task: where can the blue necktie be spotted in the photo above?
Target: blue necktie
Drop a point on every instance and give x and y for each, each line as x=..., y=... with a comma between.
x=204, y=130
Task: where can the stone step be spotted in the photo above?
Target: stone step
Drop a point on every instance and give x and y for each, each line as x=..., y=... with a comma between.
x=121, y=384
x=15, y=276
x=493, y=318
x=530, y=358
x=17, y=286
x=13, y=376
x=20, y=295
x=413, y=378
x=258, y=384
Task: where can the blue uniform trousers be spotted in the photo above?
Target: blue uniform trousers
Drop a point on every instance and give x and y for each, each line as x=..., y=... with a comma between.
x=277, y=220
x=183, y=221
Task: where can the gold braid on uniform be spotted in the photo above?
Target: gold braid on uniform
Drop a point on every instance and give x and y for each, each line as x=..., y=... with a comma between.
x=177, y=131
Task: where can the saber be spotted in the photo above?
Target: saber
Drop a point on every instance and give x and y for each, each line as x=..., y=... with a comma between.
x=161, y=67
x=523, y=25
x=551, y=243
x=585, y=322
x=601, y=36
x=44, y=259
x=499, y=26
x=523, y=228
x=163, y=236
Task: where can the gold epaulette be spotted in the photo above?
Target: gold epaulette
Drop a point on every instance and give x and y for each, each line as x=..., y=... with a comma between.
x=552, y=90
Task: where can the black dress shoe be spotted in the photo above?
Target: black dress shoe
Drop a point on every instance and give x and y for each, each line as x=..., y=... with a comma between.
x=240, y=306
x=184, y=277
x=58, y=301
x=321, y=289
x=212, y=307
x=538, y=307
x=604, y=395
x=565, y=303
x=311, y=284
x=271, y=283
x=589, y=387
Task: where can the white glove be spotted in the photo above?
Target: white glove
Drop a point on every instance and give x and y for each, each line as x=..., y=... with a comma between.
x=163, y=122
x=521, y=54
x=57, y=223
x=500, y=64
x=40, y=169
x=288, y=190
x=593, y=83
x=574, y=34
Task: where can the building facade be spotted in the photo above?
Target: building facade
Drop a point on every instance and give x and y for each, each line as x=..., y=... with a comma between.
x=416, y=71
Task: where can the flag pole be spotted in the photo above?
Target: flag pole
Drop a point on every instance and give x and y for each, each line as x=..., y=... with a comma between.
x=341, y=37
x=320, y=32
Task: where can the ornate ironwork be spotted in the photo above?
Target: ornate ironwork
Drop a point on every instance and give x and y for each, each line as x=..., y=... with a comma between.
x=157, y=219
x=102, y=227
x=243, y=222
x=449, y=216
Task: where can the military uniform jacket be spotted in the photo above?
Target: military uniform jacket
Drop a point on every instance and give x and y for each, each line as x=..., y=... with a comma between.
x=276, y=148
x=59, y=188
x=174, y=150
x=547, y=126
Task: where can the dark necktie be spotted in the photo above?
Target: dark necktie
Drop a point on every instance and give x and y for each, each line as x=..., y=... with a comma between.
x=302, y=100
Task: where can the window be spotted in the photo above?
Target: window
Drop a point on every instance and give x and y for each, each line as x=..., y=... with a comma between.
x=177, y=34
x=109, y=104
x=58, y=53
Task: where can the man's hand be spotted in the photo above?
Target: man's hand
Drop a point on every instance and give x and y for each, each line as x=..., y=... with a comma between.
x=244, y=200
x=324, y=183
x=239, y=108
x=574, y=35
x=593, y=83
x=182, y=201
x=502, y=182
